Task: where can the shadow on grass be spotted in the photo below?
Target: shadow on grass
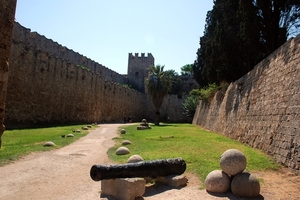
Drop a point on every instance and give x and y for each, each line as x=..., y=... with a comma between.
x=164, y=125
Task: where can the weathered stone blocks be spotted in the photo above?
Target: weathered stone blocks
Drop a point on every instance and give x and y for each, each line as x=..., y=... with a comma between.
x=267, y=104
x=173, y=180
x=123, y=188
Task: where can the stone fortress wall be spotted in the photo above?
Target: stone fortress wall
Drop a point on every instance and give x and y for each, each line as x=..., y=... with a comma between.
x=51, y=84
x=40, y=42
x=262, y=109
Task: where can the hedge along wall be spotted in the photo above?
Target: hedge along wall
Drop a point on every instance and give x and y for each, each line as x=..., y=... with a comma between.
x=262, y=109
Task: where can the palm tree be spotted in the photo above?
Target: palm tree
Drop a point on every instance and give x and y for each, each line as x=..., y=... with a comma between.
x=158, y=84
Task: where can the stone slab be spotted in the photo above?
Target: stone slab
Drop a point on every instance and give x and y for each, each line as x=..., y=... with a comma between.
x=173, y=180
x=123, y=188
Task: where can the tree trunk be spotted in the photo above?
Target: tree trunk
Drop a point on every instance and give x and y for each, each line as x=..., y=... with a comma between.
x=157, y=118
x=153, y=169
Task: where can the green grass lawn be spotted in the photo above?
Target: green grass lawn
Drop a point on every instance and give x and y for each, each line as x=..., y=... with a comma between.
x=200, y=149
x=19, y=142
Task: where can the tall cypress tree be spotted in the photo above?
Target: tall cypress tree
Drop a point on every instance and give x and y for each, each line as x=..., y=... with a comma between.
x=240, y=33
x=279, y=20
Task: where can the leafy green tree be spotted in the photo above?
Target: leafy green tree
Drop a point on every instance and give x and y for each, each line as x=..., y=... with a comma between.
x=175, y=81
x=158, y=84
x=189, y=105
x=187, y=69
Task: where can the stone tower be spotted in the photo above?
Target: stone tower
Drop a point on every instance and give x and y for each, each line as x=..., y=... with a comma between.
x=138, y=67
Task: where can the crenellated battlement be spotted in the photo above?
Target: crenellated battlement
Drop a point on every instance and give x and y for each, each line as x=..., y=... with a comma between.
x=138, y=67
x=136, y=55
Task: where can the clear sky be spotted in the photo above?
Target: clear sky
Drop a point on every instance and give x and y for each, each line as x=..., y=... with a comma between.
x=107, y=30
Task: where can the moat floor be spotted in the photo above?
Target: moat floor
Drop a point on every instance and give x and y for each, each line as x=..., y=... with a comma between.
x=63, y=174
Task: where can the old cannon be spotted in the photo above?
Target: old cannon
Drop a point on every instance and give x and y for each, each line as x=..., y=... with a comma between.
x=153, y=169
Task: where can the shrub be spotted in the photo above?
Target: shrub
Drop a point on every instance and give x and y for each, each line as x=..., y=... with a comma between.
x=189, y=105
x=208, y=92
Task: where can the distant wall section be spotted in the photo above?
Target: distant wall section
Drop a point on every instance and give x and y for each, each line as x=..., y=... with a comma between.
x=46, y=87
x=51, y=84
x=40, y=42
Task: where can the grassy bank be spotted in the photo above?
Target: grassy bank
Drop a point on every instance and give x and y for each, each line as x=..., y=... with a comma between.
x=19, y=142
x=200, y=149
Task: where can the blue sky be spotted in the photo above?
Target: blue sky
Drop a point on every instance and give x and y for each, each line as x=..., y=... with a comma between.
x=107, y=30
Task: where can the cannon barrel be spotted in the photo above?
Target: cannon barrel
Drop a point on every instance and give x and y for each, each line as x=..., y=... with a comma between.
x=153, y=169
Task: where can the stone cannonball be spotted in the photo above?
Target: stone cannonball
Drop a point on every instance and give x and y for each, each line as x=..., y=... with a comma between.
x=233, y=161
x=135, y=159
x=122, y=151
x=126, y=142
x=49, y=144
x=217, y=181
x=245, y=185
x=123, y=131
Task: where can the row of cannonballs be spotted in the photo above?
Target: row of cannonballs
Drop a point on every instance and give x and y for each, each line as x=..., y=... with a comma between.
x=124, y=150
x=50, y=143
x=232, y=176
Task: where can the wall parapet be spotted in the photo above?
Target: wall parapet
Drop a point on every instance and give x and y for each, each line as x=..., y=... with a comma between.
x=262, y=108
x=34, y=39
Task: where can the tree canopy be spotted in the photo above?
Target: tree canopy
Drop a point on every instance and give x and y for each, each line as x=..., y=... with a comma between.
x=187, y=69
x=240, y=33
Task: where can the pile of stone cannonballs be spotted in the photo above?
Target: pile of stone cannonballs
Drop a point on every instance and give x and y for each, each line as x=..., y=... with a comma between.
x=232, y=176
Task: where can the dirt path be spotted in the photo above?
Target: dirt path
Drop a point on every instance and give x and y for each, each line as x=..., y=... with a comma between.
x=63, y=174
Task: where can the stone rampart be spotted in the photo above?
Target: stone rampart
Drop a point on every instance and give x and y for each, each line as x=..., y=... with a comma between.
x=44, y=89
x=40, y=42
x=172, y=108
x=50, y=84
x=262, y=109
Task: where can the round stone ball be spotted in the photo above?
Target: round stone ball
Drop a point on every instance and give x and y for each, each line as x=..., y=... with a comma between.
x=122, y=151
x=126, y=142
x=49, y=144
x=135, y=159
x=233, y=161
x=123, y=131
x=217, y=182
x=245, y=185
